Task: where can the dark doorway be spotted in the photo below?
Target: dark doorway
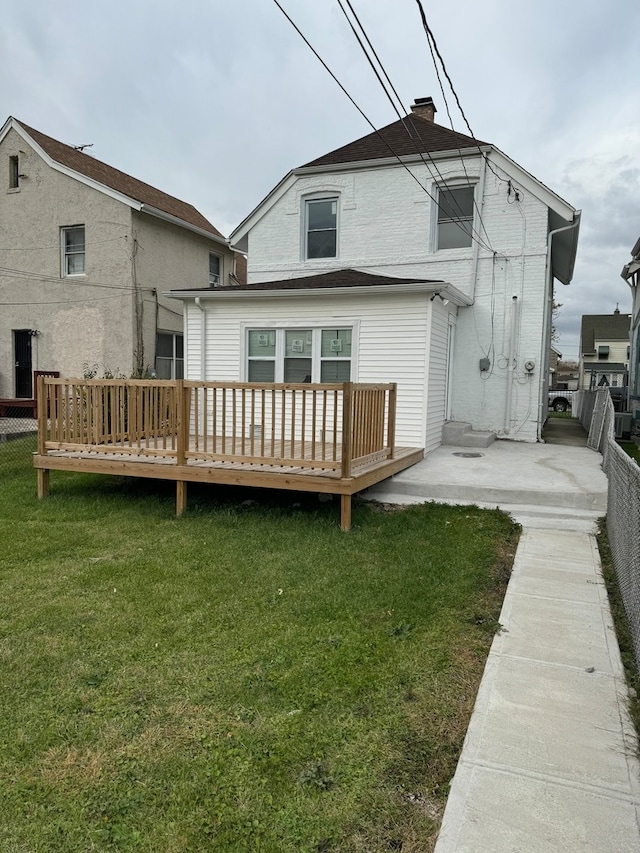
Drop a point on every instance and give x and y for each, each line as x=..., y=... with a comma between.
x=23, y=364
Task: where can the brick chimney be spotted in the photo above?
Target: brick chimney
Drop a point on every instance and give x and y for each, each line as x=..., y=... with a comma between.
x=424, y=108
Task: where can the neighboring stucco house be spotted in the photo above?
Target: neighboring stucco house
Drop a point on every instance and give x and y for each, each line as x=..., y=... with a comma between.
x=86, y=253
x=631, y=274
x=604, y=350
x=414, y=255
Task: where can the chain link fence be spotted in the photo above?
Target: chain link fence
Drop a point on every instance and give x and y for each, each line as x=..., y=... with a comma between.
x=596, y=413
x=17, y=438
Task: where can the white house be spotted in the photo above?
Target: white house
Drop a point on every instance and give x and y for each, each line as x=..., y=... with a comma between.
x=86, y=253
x=414, y=255
x=604, y=350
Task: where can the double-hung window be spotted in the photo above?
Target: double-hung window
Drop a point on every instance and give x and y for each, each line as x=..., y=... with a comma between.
x=214, y=270
x=299, y=355
x=321, y=227
x=169, y=356
x=14, y=172
x=73, y=250
x=455, y=217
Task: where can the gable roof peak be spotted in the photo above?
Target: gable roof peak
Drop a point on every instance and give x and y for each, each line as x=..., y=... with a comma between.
x=88, y=166
x=412, y=135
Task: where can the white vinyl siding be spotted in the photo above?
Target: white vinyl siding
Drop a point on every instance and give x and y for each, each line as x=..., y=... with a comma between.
x=389, y=339
x=437, y=383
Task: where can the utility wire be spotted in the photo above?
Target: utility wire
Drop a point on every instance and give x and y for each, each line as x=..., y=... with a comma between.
x=432, y=40
x=10, y=272
x=346, y=93
x=416, y=133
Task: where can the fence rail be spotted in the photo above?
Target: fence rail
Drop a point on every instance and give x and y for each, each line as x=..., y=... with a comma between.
x=311, y=426
x=597, y=415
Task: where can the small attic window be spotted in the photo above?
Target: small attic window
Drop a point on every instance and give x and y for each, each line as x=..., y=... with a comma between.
x=603, y=352
x=14, y=172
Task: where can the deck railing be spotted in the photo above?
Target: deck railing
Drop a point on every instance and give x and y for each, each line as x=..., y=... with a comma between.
x=323, y=426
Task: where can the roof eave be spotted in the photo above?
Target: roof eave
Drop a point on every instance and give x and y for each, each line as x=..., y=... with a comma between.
x=447, y=291
x=175, y=220
x=564, y=260
x=400, y=160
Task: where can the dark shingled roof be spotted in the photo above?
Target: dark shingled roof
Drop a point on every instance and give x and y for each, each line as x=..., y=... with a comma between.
x=119, y=181
x=423, y=137
x=337, y=278
x=603, y=327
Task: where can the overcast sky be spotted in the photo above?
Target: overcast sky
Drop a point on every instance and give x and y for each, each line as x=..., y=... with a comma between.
x=214, y=102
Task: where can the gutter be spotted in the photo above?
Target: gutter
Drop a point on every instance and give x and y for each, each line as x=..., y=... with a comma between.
x=174, y=220
x=476, y=243
x=448, y=291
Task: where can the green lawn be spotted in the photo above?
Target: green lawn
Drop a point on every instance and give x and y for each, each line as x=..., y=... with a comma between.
x=631, y=449
x=246, y=678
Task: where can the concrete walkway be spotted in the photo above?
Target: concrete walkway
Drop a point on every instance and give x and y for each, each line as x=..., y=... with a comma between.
x=550, y=761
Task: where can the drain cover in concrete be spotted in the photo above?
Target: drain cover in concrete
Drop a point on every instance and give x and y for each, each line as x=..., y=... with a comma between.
x=469, y=455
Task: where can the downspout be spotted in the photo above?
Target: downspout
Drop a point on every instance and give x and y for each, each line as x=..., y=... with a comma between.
x=546, y=327
x=203, y=340
x=476, y=243
x=511, y=366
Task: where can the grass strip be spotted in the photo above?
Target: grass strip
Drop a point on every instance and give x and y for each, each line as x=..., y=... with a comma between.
x=246, y=678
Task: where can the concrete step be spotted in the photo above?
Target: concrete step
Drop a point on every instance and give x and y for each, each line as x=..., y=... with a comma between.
x=527, y=515
x=461, y=434
x=484, y=495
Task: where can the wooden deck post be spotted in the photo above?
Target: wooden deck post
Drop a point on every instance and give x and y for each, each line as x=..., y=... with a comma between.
x=181, y=497
x=41, y=408
x=183, y=422
x=391, y=423
x=345, y=512
x=347, y=429
x=43, y=482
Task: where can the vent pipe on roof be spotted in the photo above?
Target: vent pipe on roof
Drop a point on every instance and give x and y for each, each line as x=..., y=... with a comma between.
x=424, y=108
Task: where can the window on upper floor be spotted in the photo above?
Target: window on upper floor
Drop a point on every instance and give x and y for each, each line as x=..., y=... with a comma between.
x=321, y=227
x=214, y=269
x=73, y=250
x=299, y=355
x=14, y=172
x=603, y=352
x=455, y=217
x=169, y=356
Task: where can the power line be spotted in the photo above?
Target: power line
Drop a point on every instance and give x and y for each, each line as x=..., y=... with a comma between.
x=432, y=41
x=416, y=133
x=362, y=113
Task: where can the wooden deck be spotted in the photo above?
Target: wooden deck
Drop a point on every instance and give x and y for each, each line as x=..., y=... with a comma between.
x=330, y=438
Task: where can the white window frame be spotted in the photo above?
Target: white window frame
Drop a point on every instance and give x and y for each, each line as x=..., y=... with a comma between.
x=467, y=223
x=316, y=346
x=14, y=172
x=66, y=255
x=215, y=278
x=308, y=200
x=173, y=360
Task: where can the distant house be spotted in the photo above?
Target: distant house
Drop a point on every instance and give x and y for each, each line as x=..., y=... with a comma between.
x=631, y=274
x=567, y=377
x=415, y=255
x=86, y=253
x=554, y=360
x=604, y=350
